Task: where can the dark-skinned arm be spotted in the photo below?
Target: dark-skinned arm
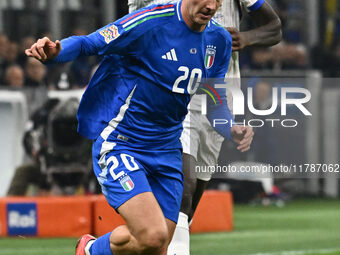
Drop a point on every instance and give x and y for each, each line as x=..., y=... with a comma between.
x=267, y=33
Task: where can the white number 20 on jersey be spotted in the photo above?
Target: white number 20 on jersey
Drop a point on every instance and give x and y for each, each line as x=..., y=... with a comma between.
x=195, y=76
x=130, y=165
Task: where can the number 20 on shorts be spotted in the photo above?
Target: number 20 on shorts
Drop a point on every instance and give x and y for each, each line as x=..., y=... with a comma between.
x=128, y=161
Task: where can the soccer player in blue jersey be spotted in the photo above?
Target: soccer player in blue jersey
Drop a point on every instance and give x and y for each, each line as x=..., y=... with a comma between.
x=201, y=143
x=133, y=109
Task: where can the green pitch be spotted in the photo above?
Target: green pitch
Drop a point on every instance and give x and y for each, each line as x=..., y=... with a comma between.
x=300, y=228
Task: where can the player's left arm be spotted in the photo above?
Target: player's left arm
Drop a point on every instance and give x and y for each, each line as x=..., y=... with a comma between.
x=223, y=122
x=219, y=115
x=267, y=33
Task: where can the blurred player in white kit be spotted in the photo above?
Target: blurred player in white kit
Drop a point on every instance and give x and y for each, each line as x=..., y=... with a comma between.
x=201, y=142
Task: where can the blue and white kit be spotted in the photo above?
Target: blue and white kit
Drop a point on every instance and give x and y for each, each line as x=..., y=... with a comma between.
x=136, y=101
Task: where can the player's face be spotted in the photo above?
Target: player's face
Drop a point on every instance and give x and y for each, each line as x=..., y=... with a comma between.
x=199, y=12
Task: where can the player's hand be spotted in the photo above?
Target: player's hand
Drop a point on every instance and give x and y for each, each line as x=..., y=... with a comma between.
x=243, y=136
x=239, y=39
x=44, y=49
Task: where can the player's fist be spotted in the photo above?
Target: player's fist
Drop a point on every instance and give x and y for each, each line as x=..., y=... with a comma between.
x=239, y=39
x=243, y=136
x=44, y=49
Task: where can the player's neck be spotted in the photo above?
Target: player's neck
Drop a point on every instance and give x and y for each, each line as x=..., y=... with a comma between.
x=188, y=20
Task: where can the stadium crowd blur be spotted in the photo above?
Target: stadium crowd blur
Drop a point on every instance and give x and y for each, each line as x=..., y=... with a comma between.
x=17, y=72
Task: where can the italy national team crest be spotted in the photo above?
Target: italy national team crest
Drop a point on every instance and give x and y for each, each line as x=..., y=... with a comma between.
x=110, y=33
x=127, y=183
x=210, y=56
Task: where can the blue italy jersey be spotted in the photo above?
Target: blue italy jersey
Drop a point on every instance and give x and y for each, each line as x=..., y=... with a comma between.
x=153, y=64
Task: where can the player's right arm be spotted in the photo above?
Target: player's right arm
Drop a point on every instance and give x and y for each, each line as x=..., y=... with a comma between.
x=44, y=49
x=102, y=42
x=118, y=37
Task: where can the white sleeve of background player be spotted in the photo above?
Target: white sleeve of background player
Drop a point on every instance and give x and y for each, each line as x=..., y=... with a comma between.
x=137, y=4
x=252, y=5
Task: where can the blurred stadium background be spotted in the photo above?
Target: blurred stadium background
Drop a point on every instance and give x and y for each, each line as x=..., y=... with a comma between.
x=279, y=214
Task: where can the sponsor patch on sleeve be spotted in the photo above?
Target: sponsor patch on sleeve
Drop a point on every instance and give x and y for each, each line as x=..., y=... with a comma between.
x=111, y=33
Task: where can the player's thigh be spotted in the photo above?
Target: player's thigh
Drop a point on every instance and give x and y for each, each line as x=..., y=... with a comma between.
x=189, y=166
x=144, y=216
x=190, y=182
x=122, y=175
x=190, y=137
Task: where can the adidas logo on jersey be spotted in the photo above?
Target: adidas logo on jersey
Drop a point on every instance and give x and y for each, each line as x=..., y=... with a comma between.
x=171, y=55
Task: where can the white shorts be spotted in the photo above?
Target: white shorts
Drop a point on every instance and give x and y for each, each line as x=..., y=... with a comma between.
x=200, y=140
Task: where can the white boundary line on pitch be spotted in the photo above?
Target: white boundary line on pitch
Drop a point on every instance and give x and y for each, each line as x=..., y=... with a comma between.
x=299, y=252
